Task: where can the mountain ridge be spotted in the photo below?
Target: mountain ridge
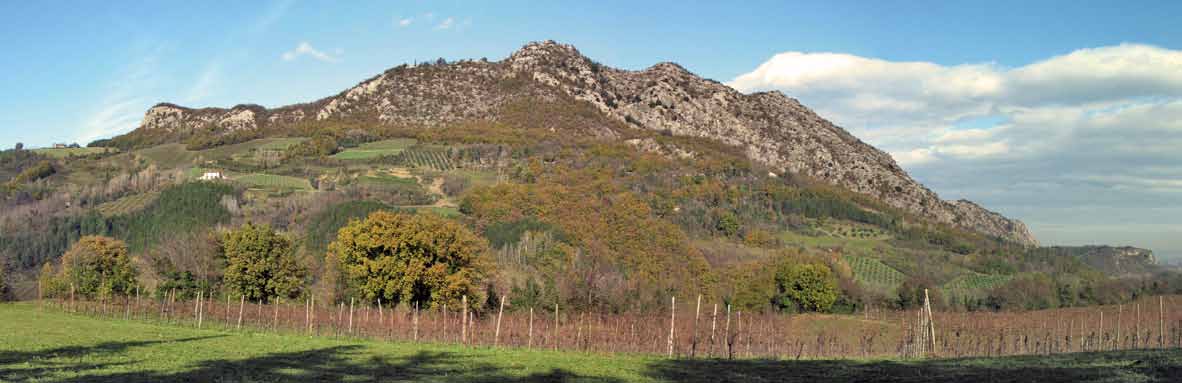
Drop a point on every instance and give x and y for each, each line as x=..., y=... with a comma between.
x=772, y=128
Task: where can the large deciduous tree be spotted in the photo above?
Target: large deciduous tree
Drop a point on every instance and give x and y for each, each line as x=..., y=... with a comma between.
x=260, y=263
x=98, y=266
x=805, y=286
x=412, y=258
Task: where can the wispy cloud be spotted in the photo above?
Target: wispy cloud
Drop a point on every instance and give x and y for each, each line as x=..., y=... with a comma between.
x=122, y=106
x=405, y=22
x=446, y=23
x=306, y=49
x=209, y=79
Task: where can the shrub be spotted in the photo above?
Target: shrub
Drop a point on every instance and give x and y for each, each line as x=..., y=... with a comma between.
x=807, y=286
x=98, y=266
x=42, y=169
x=419, y=258
x=260, y=263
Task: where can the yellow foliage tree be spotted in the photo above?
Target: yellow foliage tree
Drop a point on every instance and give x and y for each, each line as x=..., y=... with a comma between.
x=411, y=258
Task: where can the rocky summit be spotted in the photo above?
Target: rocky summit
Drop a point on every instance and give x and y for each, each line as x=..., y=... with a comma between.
x=773, y=129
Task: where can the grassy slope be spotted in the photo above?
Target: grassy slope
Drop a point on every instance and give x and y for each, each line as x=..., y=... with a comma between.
x=65, y=152
x=57, y=347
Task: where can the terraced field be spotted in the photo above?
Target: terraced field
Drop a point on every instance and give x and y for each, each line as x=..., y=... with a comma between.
x=66, y=152
x=276, y=182
x=376, y=149
x=127, y=205
x=872, y=271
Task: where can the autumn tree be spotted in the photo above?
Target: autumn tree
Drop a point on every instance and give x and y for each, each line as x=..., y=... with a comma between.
x=411, y=258
x=260, y=263
x=98, y=266
x=805, y=286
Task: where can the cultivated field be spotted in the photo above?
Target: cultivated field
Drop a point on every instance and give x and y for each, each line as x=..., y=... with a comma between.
x=49, y=345
x=127, y=205
x=66, y=152
x=874, y=273
x=275, y=182
x=376, y=149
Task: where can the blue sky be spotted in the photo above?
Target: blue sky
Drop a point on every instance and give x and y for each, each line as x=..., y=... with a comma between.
x=994, y=78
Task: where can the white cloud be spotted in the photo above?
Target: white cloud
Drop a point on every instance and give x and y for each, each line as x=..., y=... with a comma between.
x=1099, y=126
x=446, y=23
x=405, y=22
x=305, y=49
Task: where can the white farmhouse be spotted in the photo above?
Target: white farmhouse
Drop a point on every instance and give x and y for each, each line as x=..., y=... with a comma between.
x=212, y=176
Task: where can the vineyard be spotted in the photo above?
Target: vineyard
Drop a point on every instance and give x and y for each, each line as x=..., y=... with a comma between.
x=873, y=272
x=127, y=205
x=426, y=158
x=275, y=182
x=376, y=149
x=975, y=283
x=694, y=329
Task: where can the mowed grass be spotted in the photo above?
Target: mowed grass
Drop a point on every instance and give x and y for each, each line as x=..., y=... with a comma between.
x=66, y=152
x=51, y=346
x=376, y=149
x=275, y=182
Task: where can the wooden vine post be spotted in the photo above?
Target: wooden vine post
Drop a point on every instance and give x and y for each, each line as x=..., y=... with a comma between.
x=1161, y=322
x=501, y=312
x=241, y=306
x=931, y=326
x=555, y=325
x=694, y=337
x=200, y=307
x=729, y=350
x=530, y=343
x=672, y=321
x=1119, y=312
x=713, y=325
x=464, y=320
x=351, y=315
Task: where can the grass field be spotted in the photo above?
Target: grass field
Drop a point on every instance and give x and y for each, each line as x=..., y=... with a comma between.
x=66, y=152
x=376, y=149
x=277, y=182
x=51, y=346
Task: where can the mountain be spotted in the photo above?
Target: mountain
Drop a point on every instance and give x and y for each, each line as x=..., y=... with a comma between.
x=771, y=128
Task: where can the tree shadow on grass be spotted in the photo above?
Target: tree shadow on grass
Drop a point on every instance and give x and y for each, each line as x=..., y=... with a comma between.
x=32, y=365
x=343, y=363
x=1145, y=365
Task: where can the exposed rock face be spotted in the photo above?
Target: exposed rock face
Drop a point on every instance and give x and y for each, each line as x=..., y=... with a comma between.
x=774, y=129
x=172, y=118
x=1122, y=260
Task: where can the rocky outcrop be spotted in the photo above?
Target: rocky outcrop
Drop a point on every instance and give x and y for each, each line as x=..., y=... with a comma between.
x=173, y=118
x=773, y=129
x=1114, y=260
